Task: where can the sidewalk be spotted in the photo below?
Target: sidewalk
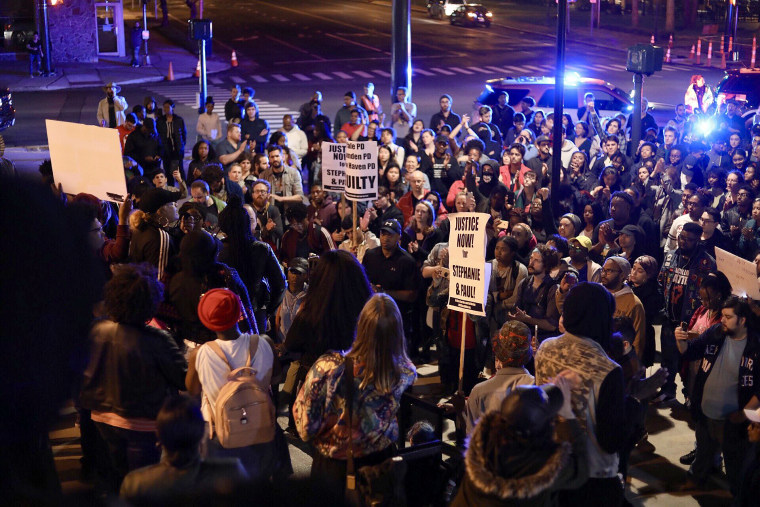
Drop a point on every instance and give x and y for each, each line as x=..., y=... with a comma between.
x=164, y=46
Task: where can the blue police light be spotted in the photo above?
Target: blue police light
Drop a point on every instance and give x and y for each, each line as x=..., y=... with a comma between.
x=572, y=78
x=705, y=126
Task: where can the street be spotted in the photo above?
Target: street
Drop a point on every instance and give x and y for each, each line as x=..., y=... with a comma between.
x=286, y=53
x=288, y=49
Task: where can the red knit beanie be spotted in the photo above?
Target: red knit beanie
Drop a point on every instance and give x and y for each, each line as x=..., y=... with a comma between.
x=219, y=309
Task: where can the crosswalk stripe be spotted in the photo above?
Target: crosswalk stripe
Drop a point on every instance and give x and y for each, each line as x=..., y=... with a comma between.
x=215, y=80
x=343, y=75
x=280, y=78
x=237, y=80
x=442, y=71
x=323, y=76
x=361, y=73
x=301, y=77
x=461, y=70
x=382, y=73
x=259, y=79
x=423, y=72
x=478, y=69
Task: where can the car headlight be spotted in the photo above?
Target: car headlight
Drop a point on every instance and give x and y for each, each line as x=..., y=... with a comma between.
x=489, y=14
x=471, y=14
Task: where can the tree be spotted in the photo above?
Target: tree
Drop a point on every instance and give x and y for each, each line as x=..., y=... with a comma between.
x=670, y=16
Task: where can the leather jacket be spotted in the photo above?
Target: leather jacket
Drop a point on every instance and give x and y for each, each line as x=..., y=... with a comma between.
x=131, y=370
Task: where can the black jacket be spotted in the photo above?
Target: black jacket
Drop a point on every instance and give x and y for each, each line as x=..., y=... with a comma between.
x=131, y=370
x=265, y=280
x=707, y=348
x=175, y=144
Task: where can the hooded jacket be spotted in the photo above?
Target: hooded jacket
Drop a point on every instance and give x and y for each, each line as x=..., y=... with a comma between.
x=564, y=468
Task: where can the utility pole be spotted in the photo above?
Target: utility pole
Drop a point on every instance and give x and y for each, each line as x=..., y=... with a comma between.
x=145, y=32
x=401, y=48
x=48, y=56
x=559, y=100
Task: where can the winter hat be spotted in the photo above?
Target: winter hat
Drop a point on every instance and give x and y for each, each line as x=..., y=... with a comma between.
x=649, y=265
x=219, y=309
x=623, y=264
x=575, y=219
x=529, y=409
x=511, y=345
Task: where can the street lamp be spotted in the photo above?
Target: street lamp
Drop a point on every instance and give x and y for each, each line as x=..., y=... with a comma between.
x=48, y=56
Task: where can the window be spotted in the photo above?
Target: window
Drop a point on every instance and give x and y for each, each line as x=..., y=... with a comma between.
x=605, y=101
x=571, y=98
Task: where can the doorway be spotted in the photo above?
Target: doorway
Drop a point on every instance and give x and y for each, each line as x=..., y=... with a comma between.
x=110, y=22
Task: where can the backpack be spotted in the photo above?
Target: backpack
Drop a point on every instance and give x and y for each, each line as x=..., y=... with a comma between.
x=244, y=413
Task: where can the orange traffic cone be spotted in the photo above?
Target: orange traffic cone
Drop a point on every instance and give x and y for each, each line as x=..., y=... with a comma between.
x=670, y=41
x=170, y=75
x=651, y=39
x=233, y=60
x=667, y=56
x=198, y=69
x=691, y=55
x=722, y=59
x=709, y=54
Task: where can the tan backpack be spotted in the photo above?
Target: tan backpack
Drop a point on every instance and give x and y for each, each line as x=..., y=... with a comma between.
x=244, y=413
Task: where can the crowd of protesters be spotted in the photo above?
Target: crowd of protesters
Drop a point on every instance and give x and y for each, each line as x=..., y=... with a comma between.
x=240, y=267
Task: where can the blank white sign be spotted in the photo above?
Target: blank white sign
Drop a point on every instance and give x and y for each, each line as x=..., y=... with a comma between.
x=87, y=159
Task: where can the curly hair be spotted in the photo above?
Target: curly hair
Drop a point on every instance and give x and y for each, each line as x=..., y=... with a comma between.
x=133, y=294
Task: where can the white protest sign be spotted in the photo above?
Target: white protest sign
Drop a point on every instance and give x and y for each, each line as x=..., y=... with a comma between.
x=469, y=274
x=361, y=170
x=740, y=272
x=333, y=167
x=87, y=159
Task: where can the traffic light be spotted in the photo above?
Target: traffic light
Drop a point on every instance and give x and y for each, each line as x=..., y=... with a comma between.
x=644, y=59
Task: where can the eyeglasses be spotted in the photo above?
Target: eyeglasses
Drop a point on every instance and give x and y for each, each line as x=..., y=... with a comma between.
x=610, y=271
x=743, y=194
x=261, y=191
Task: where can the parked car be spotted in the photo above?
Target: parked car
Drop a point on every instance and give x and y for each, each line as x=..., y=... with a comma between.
x=7, y=112
x=17, y=32
x=471, y=15
x=742, y=85
x=609, y=99
x=440, y=9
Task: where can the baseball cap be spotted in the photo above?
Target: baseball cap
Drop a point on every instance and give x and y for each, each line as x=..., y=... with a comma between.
x=154, y=198
x=543, y=139
x=583, y=241
x=441, y=139
x=753, y=415
x=299, y=265
x=391, y=225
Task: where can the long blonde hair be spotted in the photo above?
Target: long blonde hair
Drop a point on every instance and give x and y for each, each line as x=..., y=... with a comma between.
x=380, y=343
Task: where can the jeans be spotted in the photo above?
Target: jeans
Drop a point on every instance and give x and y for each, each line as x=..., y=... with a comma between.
x=35, y=63
x=713, y=436
x=135, y=55
x=670, y=355
x=125, y=450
